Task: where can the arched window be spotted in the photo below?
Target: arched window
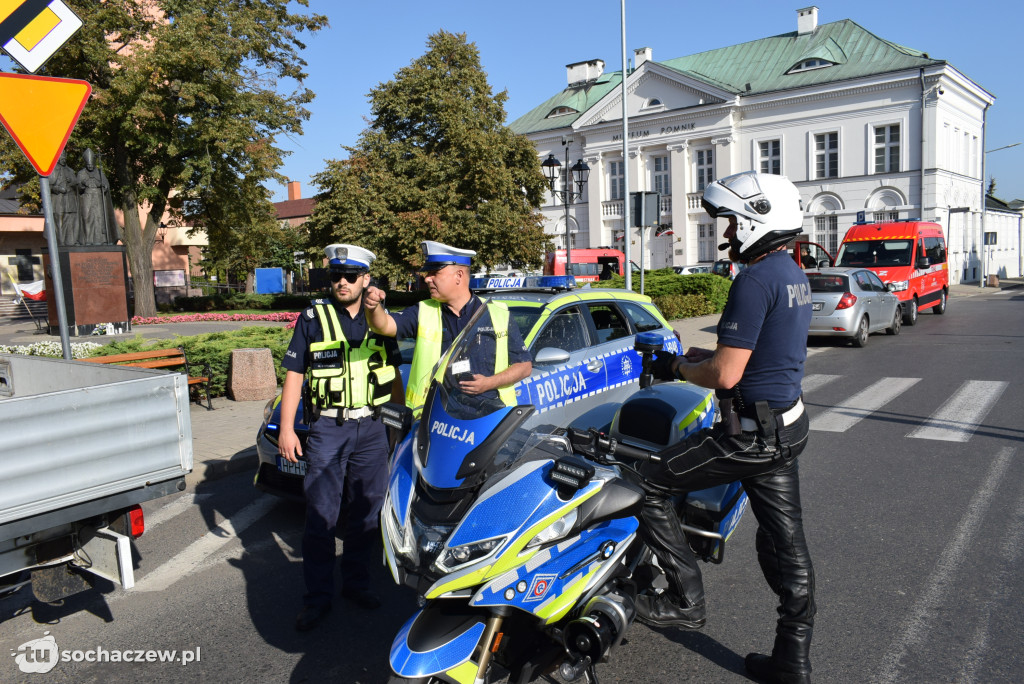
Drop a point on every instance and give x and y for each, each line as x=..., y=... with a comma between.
x=561, y=111
x=809, y=64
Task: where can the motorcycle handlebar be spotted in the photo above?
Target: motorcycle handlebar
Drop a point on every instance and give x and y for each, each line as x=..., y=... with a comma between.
x=632, y=452
x=596, y=445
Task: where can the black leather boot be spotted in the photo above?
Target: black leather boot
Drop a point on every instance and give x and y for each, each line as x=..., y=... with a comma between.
x=663, y=611
x=765, y=669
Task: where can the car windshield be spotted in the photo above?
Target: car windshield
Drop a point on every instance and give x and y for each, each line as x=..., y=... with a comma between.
x=821, y=282
x=525, y=317
x=472, y=354
x=875, y=253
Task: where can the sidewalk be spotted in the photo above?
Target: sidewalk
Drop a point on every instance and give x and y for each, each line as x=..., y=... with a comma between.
x=223, y=440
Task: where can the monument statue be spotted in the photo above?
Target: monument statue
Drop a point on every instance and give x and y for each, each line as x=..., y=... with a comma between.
x=64, y=195
x=98, y=224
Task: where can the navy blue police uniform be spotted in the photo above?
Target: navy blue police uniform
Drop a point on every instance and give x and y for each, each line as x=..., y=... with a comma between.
x=346, y=461
x=768, y=312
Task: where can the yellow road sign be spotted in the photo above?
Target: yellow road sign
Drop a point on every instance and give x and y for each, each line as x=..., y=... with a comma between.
x=32, y=30
x=40, y=113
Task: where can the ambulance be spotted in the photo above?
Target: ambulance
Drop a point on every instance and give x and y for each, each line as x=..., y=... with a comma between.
x=908, y=256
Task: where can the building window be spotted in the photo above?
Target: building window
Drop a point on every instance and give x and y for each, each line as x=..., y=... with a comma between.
x=887, y=149
x=24, y=260
x=705, y=168
x=826, y=232
x=826, y=155
x=705, y=242
x=808, y=64
x=885, y=216
x=561, y=111
x=616, y=180
x=662, y=176
x=770, y=156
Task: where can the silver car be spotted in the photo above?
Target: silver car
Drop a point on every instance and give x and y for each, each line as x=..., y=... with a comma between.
x=853, y=303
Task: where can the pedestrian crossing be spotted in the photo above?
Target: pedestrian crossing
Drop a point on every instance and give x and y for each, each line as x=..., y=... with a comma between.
x=955, y=419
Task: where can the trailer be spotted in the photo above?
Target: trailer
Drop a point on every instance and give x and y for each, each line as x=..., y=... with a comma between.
x=84, y=445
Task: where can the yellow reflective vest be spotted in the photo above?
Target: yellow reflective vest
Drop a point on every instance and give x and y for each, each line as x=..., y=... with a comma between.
x=343, y=376
x=427, y=352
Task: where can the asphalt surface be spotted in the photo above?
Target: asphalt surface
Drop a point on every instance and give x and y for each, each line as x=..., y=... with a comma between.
x=224, y=439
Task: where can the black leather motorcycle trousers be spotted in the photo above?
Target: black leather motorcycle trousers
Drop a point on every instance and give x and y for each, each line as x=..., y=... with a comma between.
x=770, y=478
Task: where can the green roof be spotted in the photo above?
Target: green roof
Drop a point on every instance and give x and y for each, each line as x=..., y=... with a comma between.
x=756, y=67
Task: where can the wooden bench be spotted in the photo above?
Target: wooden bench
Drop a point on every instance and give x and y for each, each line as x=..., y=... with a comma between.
x=164, y=358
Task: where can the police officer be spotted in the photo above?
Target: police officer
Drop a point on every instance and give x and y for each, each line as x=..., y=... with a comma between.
x=348, y=372
x=437, y=321
x=756, y=370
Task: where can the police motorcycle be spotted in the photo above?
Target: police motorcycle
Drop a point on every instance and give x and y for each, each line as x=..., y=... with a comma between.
x=521, y=539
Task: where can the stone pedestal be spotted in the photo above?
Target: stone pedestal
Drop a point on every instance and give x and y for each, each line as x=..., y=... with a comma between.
x=251, y=375
x=95, y=280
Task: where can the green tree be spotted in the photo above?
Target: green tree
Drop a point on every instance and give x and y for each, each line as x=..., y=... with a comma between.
x=186, y=109
x=437, y=162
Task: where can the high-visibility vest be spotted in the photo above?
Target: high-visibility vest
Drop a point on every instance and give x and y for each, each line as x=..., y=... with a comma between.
x=427, y=352
x=343, y=376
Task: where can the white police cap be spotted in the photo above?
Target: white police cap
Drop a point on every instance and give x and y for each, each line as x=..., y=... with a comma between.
x=348, y=257
x=436, y=255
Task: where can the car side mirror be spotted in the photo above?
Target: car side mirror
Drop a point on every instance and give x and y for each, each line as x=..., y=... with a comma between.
x=923, y=262
x=549, y=356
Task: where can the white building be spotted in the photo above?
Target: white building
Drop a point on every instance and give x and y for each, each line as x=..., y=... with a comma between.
x=858, y=123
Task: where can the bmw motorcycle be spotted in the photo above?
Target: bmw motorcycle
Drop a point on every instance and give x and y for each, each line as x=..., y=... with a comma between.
x=521, y=539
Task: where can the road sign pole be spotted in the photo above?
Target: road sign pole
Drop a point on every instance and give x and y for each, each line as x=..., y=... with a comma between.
x=58, y=282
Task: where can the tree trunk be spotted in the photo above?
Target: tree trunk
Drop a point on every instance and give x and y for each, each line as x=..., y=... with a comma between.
x=250, y=282
x=138, y=240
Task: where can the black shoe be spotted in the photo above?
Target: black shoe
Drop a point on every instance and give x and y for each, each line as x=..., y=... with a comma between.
x=661, y=611
x=364, y=598
x=767, y=670
x=310, y=617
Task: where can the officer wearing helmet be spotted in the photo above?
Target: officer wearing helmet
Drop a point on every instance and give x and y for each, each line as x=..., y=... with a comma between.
x=756, y=370
x=348, y=372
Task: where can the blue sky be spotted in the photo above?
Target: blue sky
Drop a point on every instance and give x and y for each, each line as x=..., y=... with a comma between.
x=524, y=47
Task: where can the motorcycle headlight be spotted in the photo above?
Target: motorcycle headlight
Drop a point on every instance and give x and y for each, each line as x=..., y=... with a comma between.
x=396, y=532
x=457, y=556
x=900, y=285
x=555, y=530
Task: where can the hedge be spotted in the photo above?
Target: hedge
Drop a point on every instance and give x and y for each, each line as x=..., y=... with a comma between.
x=666, y=283
x=396, y=300
x=215, y=349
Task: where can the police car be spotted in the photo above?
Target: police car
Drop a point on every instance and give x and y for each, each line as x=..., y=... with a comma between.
x=581, y=343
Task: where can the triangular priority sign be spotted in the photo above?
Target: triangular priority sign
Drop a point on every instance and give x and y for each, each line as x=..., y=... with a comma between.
x=40, y=112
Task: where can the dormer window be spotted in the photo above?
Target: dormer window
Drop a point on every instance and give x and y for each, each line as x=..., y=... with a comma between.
x=653, y=103
x=561, y=111
x=810, y=64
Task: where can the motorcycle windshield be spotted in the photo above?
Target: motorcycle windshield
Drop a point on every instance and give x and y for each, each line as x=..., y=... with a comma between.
x=458, y=418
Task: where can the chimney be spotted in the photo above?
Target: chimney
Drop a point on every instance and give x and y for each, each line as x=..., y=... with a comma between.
x=641, y=55
x=806, y=20
x=294, y=190
x=579, y=73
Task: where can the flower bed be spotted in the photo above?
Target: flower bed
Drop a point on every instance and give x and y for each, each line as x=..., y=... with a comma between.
x=282, y=317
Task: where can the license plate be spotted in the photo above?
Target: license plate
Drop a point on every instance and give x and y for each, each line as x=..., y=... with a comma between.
x=291, y=468
x=816, y=306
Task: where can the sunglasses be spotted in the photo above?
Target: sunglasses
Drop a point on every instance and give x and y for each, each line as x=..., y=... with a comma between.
x=349, y=277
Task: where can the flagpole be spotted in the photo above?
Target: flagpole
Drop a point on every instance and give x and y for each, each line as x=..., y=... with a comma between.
x=627, y=230
x=58, y=283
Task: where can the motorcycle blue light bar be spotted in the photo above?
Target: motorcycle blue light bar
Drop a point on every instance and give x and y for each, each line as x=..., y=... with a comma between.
x=524, y=283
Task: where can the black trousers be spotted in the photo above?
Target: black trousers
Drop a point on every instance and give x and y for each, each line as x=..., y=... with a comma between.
x=771, y=481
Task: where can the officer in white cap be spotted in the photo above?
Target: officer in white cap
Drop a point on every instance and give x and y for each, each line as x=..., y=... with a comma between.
x=348, y=372
x=436, y=322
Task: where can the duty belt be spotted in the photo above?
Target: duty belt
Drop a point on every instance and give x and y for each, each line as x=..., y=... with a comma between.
x=347, y=413
x=787, y=418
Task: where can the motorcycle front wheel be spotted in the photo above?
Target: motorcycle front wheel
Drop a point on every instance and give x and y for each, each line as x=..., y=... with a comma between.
x=395, y=679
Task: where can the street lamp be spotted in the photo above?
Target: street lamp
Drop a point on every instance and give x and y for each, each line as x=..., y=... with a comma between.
x=984, y=203
x=580, y=172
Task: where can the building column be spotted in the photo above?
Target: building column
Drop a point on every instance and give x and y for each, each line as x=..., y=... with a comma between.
x=595, y=189
x=683, y=237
